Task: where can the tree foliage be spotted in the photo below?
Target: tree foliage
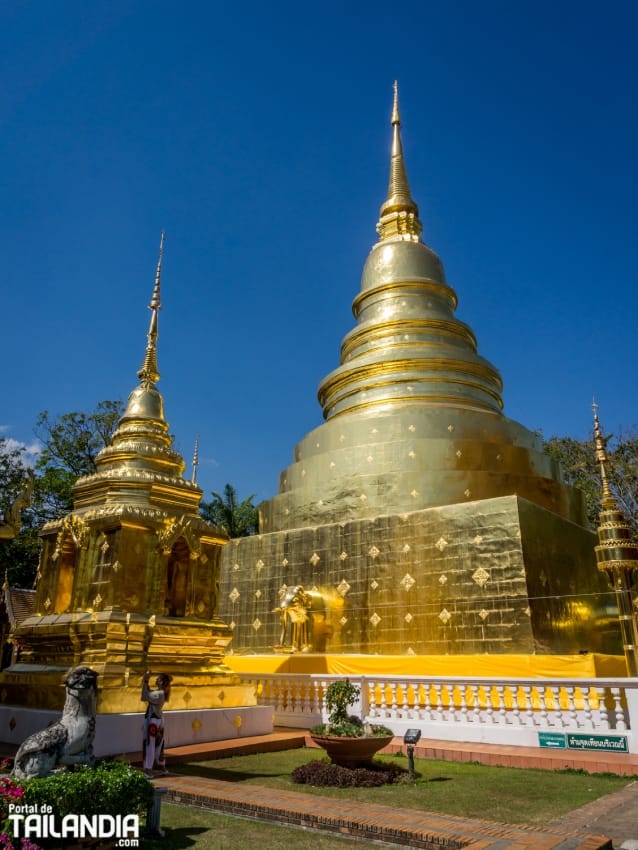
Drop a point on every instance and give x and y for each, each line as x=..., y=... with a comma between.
x=19, y=556
x=580, y=469
x=70, y=445
x=238, y=519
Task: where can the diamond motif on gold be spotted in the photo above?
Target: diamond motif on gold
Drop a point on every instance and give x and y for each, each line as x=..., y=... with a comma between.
x=441, y=543
x=406, y=548
x=232, y=624
x=481, y=577
x=412, y=454
x=498, y=457
x=528, y=611
x=411, y=428
x=286, y=511
x=483, y=614
x=373, y=551
x=478, y=540
x=342, y=437
x=259, y=565
x=314, y=560
x=459, y=453
x=116, y=566
x=201, y=607
x=256, y=624
x=407, y=581
x=363, y=497
x=284, y=563
x=442, y=580
x=234, y=595
x=97, y=601
x=104, y=548
x=332, y=464
x=236, y=567
x=408, y=617
x=450, y=428
x=410, y=651
x=47, y=604
x=258, y=594
x=343, y=621
x=187, y=697
x=343, y=556
x=414, y=493
x=369, y=458
x=204, y=559
x=374, y=584
x=303, y=473
x=445, y=616
x=375, y=619
x=343, y=587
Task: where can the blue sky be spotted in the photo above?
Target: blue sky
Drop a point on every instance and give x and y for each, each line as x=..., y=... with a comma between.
x=257, y=135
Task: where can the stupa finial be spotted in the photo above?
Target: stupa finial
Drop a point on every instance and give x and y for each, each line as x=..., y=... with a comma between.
x=149, y=373
x=195, y=460
x=608, y=501
x=399, y=212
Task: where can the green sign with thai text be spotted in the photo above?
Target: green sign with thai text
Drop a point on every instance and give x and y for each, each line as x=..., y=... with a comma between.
x=609, y=743
x=554, y=740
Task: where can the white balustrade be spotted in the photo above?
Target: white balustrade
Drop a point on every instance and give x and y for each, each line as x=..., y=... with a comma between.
x=511, y=711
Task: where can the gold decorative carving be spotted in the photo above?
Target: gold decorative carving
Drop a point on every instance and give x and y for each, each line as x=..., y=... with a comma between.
x=374, y=584
x=314, y=560
x=441, y=543
x=408, y=617
x=234, y=595
x=256, y=624
x=375, y=619
x=373, y=552
x=445, y=616
x=343, y=587
x=175, y=529
x=259, y=565
x=75, y=527
x=481, y=577
x=407, y=581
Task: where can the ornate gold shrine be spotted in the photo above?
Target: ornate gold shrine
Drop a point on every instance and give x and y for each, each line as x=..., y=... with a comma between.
x=429, y=521
x=129, y=580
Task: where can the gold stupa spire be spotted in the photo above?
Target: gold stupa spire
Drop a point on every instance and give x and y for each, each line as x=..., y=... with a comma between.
x=607, y=502
x=617, y=555
x=149, y=374
x=195, y=460
x=399, y=212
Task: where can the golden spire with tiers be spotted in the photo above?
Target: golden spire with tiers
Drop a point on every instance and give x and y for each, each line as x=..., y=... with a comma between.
x=399, y=213
x=617, y=554
x=410, y=369
x=128, y=581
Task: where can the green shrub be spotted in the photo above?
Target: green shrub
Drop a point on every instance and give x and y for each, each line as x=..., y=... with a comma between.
x=110, y=788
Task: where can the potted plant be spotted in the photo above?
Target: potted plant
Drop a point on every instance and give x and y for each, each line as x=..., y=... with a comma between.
x=347, y=740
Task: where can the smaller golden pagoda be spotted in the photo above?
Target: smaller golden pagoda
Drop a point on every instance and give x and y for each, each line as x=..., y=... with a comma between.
x=129, y=580
x=617, y=555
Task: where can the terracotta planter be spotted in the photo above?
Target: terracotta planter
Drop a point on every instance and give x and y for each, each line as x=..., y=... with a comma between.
x=351, y=752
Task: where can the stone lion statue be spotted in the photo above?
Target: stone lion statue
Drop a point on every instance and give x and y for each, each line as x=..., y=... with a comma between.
x=70, y=740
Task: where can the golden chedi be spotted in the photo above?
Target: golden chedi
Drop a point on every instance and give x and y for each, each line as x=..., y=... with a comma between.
x=429, y=522
x=128, y=581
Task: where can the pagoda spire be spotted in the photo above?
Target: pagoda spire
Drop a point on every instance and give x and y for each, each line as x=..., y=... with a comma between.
x=195, y=460
x=617, y=555
x=399, y=215
x=149, y=374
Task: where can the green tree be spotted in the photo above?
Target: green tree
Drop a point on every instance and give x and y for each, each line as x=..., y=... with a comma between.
x=19, y=555
x=238, y=519
x=580, y=469
x=70, y=444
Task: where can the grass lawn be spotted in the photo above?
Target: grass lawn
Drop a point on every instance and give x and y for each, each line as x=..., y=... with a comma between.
x=531, y=797
x=187, y=827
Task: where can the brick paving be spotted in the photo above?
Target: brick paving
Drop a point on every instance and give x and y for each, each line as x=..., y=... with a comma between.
x=611, y=822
